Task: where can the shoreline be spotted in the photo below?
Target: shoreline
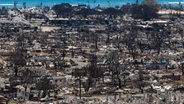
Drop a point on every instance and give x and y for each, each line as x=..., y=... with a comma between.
x=90, y=4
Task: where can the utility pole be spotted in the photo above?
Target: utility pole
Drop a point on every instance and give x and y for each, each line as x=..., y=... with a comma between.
x=15, y=4
x=41, y=5
x=94, y=3
x=88, y=4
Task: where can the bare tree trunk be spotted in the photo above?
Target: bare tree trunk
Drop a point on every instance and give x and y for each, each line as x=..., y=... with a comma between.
x=80, y=86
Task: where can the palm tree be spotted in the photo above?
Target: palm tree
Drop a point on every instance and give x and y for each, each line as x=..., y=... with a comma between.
x=15, y=4
x=24, y=5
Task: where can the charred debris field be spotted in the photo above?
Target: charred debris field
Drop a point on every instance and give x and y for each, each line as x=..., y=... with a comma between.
x=132, y=54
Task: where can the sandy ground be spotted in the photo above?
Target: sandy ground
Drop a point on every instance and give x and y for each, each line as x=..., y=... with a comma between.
x=49, y=28
x=2, y=62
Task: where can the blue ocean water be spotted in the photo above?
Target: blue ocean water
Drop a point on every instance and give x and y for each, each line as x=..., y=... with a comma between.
x=91, y=3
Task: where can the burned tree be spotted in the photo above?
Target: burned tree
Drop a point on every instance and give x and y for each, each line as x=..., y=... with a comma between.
x=130, y=40
x=159, y=37
x=18, y=56
x=114, y=67
x=44, y=84
x=64, y=10
x=146, y=11
x=18, y=60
